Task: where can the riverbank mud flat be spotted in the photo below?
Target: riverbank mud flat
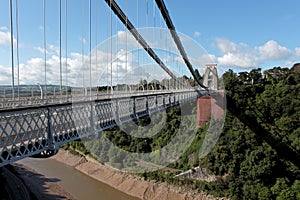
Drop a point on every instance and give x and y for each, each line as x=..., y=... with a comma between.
x=41, y=187
x=128, y=183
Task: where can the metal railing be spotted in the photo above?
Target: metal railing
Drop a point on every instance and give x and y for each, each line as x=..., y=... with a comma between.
x=28, y=131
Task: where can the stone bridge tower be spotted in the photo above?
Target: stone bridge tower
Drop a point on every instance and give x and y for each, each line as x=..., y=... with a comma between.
x=210, y=78
x=210, y=106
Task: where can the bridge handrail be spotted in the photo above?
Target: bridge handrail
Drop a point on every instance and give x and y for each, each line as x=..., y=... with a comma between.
x=28, y=131
x=15, y=105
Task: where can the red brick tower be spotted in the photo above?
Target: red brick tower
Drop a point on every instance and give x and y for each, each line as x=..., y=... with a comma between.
x=203, y=110
x=210, y=107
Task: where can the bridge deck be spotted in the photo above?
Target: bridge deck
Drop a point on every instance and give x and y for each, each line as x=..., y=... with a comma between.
x=27, y=131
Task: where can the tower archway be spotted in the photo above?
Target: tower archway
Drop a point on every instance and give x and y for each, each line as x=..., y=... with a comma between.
x=210, y=78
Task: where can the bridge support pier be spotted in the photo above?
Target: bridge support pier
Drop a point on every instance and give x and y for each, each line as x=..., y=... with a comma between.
x=210, y=107
x=203, y=110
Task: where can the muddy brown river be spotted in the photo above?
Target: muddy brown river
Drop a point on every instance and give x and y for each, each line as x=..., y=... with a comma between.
x=79, y=185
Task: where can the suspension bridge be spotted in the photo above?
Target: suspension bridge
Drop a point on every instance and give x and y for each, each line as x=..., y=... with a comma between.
x=107, y=91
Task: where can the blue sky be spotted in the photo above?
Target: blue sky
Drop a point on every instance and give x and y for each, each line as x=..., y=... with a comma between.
x=235, y=34
x=222, y=26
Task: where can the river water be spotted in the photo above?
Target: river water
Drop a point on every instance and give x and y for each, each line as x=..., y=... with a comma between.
x=79, y=185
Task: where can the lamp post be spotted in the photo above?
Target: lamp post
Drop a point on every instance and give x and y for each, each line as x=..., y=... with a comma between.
x=32, y=92
x=147, y=75
x=42, y=91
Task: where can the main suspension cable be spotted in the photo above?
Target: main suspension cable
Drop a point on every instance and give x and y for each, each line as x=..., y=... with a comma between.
x=164, y=12
x=117, y=10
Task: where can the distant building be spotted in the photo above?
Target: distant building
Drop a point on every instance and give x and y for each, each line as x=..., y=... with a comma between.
x=296, y=67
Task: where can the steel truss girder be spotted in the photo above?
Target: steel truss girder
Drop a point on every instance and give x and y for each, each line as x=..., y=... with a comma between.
x=27, y=132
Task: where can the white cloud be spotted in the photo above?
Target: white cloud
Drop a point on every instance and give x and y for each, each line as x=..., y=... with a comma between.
x=124, y=37
x=242, y=55
x=297, y=52
x=5, y=38
x=123, y=67
x=82, y=39
x=3, y=28
x=209, y=58
x=294, y=59
x=50, y=51
x=166, y=58
x=5, y=75
x=288, y=63
x=41, y=50
x=54, y=49
x=196, y=34
x=238, y=60
x=200, y=62
x=273, y=51
x=226, y=46
x=239, y=55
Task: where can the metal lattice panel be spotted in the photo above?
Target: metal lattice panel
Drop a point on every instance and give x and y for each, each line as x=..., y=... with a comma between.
x=125, y=110
x=104, y=115
x=23, y=133
x=140, y=106
x=152, y=104
x=27, y=132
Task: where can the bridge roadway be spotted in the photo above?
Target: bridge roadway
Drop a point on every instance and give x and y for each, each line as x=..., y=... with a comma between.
x=31, y=101
x=39, y=129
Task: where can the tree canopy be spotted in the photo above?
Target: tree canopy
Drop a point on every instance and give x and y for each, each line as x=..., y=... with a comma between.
x=258, y=153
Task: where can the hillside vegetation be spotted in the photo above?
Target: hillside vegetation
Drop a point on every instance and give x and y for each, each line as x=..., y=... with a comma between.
x=259, y=148
x=257, y=155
